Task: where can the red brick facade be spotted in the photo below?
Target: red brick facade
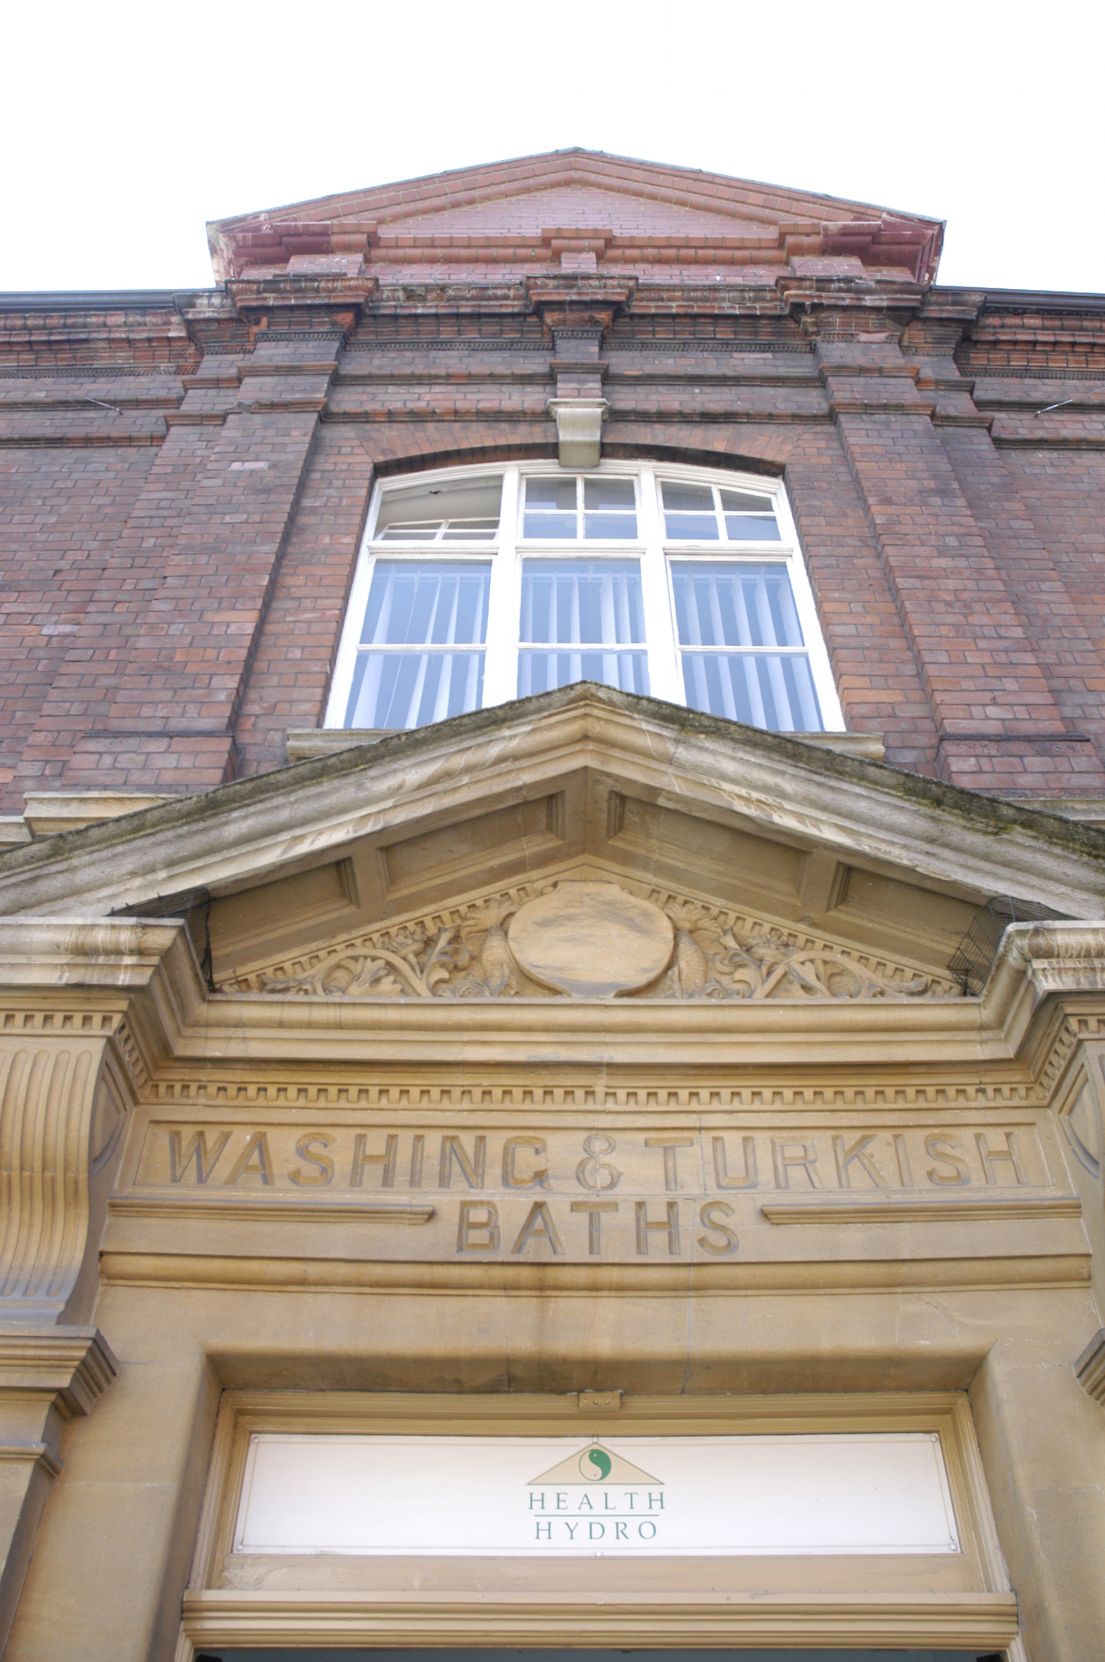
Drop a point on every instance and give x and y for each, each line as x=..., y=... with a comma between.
x=184, y=478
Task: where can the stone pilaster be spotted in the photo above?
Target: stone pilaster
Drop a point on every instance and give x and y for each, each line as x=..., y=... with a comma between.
x=85, y=1008
x=47, y=1376
x=1040, y=1437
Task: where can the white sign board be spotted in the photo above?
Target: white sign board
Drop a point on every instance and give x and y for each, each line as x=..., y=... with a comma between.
x=878, y=1492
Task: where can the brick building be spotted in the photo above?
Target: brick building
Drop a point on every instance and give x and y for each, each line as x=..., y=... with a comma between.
x=405, y=1047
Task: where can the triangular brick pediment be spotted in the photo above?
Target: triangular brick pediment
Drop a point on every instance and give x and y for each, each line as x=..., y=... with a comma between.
x=618, y=212
x=533, y=210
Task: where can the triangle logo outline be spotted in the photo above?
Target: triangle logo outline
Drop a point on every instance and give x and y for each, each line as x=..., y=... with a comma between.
x=593, y=1464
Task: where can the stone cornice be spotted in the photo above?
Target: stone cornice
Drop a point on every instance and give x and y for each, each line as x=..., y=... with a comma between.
x=1038, y=964
x=974, y=1620
x=843, y=802
x=171, y=1020
x=136, y=984
x=134, y=988
x=1060, y=957
x=74, y=1365
x=115, y=953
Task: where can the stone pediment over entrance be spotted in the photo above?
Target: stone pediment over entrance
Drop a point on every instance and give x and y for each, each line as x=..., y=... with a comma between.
x=592, y=210
x=470, y=860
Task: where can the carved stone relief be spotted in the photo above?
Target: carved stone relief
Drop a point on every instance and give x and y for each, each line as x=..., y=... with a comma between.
x=591, y=939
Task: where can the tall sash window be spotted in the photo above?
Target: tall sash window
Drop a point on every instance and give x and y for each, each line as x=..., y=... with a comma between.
x=479, y=586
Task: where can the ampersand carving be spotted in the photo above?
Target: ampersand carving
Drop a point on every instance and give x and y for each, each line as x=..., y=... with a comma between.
x=594, y=1173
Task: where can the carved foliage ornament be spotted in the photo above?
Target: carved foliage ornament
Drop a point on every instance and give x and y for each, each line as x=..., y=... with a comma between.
x=595, y=940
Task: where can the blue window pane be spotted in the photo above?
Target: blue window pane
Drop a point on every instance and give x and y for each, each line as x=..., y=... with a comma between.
x=608, y=493
x=551, y=493
x=585, y=601
x=761, y=689
x=687, y=498
x=424, y=602
x=596, y=527
x=744, y=502
x=723, y=603
x=410, y=689
x=559, y=526
x=540, y=671
x=691, y=527
x=747, y=528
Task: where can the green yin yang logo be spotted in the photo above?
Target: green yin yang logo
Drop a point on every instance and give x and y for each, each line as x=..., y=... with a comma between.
x=595, y=1464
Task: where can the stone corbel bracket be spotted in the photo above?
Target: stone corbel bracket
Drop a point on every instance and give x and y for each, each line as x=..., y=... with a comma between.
x=86, y=1012
x=578, y=430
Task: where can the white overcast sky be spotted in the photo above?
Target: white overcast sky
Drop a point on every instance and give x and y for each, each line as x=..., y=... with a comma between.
x=125, y=127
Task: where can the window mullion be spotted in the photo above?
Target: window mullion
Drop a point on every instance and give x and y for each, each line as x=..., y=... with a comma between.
x=500, y=670
x=664, y=677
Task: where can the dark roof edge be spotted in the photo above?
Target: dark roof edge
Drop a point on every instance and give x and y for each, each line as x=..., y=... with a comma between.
x=1053, y=300
x=97, y=300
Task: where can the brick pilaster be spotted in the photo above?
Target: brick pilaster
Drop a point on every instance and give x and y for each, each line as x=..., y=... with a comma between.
x=1000, y=726
x=147, y=695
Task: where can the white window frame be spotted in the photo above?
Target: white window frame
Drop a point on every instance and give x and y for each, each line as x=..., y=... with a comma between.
x=655, y=551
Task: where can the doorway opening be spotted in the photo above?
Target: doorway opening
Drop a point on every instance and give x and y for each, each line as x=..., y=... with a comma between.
x=225, y=1654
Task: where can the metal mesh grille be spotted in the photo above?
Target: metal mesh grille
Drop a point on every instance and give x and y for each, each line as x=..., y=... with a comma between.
x=973, y=958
